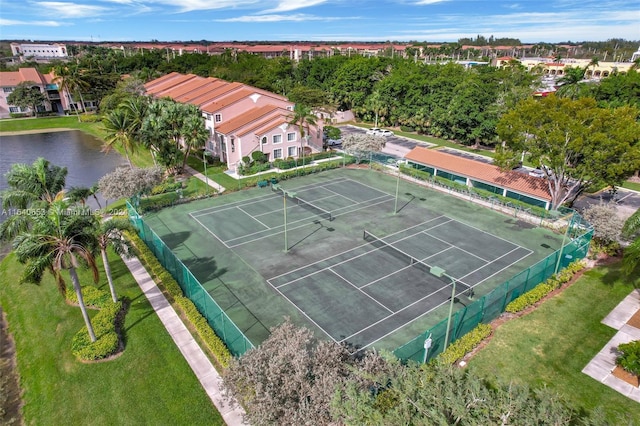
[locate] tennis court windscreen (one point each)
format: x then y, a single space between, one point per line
410 260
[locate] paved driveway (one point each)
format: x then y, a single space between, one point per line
627 201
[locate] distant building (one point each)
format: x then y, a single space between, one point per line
39 51
9 80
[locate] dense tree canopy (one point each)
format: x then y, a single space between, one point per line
27 94
575 142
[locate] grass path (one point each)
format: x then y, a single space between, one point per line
550 346
150 383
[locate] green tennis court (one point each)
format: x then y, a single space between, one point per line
347 267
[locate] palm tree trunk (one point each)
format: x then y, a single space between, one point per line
107 271
83 308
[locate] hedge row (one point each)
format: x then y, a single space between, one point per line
541 290
465 344
173 290
105 325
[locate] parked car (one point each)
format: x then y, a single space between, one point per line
334 142
379 132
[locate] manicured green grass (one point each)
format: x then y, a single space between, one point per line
631 185
550 346
150 383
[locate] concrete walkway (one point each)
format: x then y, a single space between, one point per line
193 354
601 366
193 172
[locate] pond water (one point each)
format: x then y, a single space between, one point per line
79 152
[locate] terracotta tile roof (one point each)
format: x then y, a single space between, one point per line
211 96
487 173
183 87
249 117
157 87
264 126
13 78
201 91
226 100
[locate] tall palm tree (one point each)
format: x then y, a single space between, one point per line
593 63
33 186
63 239
109 233
119 127
631 231
70 81
194 135
303 117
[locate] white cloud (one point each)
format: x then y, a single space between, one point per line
70 10
298 17
8 22
427 2
289 5
193 5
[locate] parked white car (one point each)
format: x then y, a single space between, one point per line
334 142
379 132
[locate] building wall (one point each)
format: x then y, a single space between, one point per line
39 50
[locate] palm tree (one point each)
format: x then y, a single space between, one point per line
631 231
33 186
593 63
302 117
69 80
79 194
109 233
375 104
119 127
61 239
194 135
570 82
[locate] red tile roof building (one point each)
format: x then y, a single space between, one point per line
512 184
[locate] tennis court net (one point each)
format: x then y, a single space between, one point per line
318 211
412 261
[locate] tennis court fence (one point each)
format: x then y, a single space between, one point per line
225 328
483 310
490 306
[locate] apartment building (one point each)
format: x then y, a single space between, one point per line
38 51
241 119
56 101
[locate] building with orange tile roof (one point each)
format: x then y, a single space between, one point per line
241 119
475 174
57 101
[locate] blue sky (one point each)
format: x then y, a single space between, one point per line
319 20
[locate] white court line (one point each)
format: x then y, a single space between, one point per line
493 261
435 307
209 231
397 312
357 247
508 266
344 196
254 218
258 199
307 316
356 287
459 248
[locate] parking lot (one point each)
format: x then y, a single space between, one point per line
396 145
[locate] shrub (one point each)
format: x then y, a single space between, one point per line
541 290
190 311
407 129
630 357
258 156
92 296
465 344
105 326
246 159
167 186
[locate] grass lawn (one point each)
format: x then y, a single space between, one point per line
550 346
150 383
631 185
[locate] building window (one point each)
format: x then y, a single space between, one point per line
209 117
291 151
7 89
277 153
264 139
291 137
277 138
233 145
218 118
14 109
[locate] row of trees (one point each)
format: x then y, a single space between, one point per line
293 379
52 230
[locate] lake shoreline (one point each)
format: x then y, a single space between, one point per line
35 131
